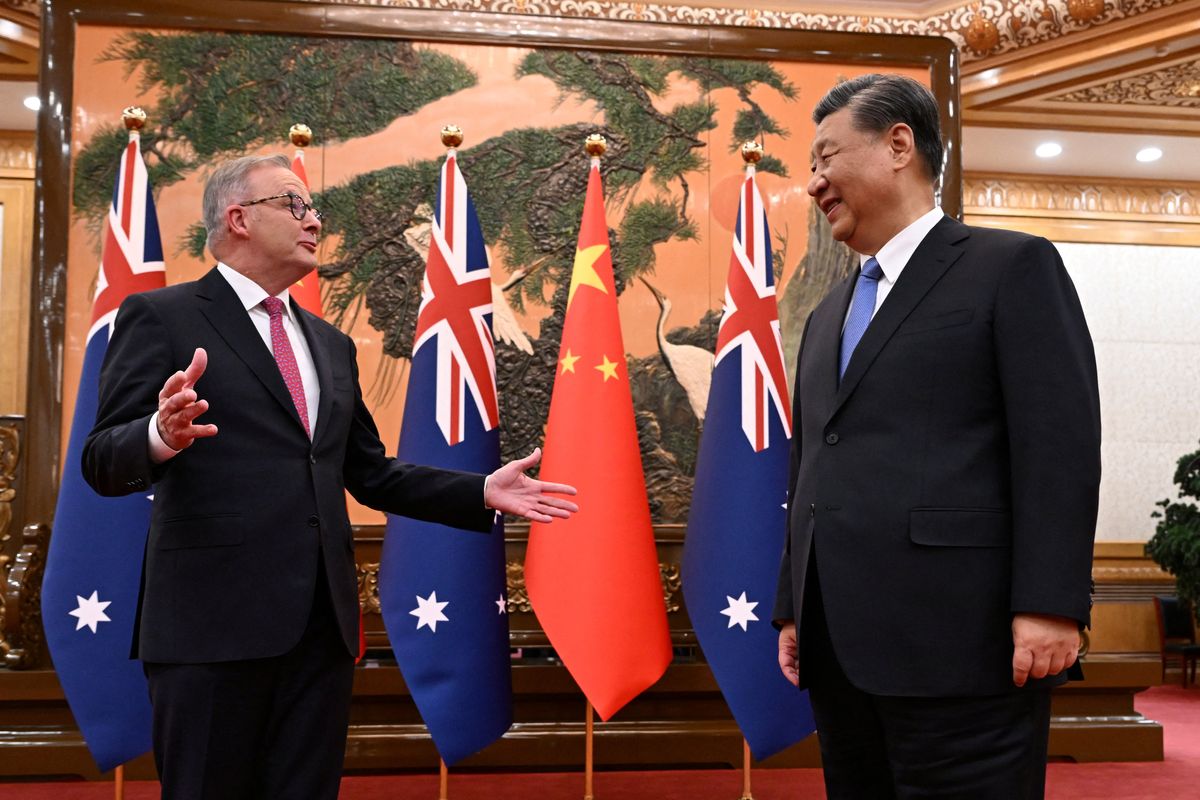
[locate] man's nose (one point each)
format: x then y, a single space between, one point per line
816 183
311 223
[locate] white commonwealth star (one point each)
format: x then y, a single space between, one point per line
501 605
429 611
90 612
740 611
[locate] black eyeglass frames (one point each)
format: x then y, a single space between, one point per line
296 204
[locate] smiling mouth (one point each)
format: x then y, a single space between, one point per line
828 206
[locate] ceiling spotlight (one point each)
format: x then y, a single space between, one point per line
1048 149
1148 154
33 102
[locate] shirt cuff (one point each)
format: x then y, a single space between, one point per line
160 451
486 478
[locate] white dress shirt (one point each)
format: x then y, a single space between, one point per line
251 296
894 256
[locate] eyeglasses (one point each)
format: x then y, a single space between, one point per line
296 205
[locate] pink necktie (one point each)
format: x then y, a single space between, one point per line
286 359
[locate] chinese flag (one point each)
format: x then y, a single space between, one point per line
306 290
593 579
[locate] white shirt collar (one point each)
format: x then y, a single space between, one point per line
894 255
249 292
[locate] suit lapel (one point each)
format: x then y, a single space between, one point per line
928 263
318 346
826 340
222 308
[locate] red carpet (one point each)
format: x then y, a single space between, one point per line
1175 777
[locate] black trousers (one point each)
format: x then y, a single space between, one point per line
272 728
903 748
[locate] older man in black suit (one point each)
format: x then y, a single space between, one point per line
945 474
248 614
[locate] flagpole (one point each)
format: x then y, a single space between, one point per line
119 782
443 780
746 795
587 758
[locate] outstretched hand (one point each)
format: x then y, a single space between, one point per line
179 405
510 490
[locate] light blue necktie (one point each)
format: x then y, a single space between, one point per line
861 309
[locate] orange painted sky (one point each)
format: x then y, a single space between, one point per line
691 273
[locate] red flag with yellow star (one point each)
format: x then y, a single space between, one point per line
306 291
593 579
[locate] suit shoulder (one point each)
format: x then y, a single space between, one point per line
330 333
166 295
319 325
1003 238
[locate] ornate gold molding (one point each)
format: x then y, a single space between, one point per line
518 597
1175 86
17 151
368 587
1051 196
670 574
27 6
1113 574
980 28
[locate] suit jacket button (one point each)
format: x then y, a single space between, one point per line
831 438
812 509
314 521
312 458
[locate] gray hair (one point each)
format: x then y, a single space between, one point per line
228 184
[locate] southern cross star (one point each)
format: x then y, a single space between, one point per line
90 612
429 611
740 611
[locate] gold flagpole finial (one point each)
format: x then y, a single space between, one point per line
452 136
595 145
134 118
300 135
752 152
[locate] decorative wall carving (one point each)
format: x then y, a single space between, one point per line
518 597
21 638
1177 85
10 456
672 579
17 153
368 587
984 194
27 6
1000 26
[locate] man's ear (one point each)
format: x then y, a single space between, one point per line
902 144
237 221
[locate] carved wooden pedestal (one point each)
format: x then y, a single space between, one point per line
681 722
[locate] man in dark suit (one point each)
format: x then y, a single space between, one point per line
248 613
945 472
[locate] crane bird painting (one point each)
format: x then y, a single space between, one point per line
692 366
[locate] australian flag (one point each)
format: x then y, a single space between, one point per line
93 569
737 524
442 590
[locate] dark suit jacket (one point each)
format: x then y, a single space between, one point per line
951 479
240 519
